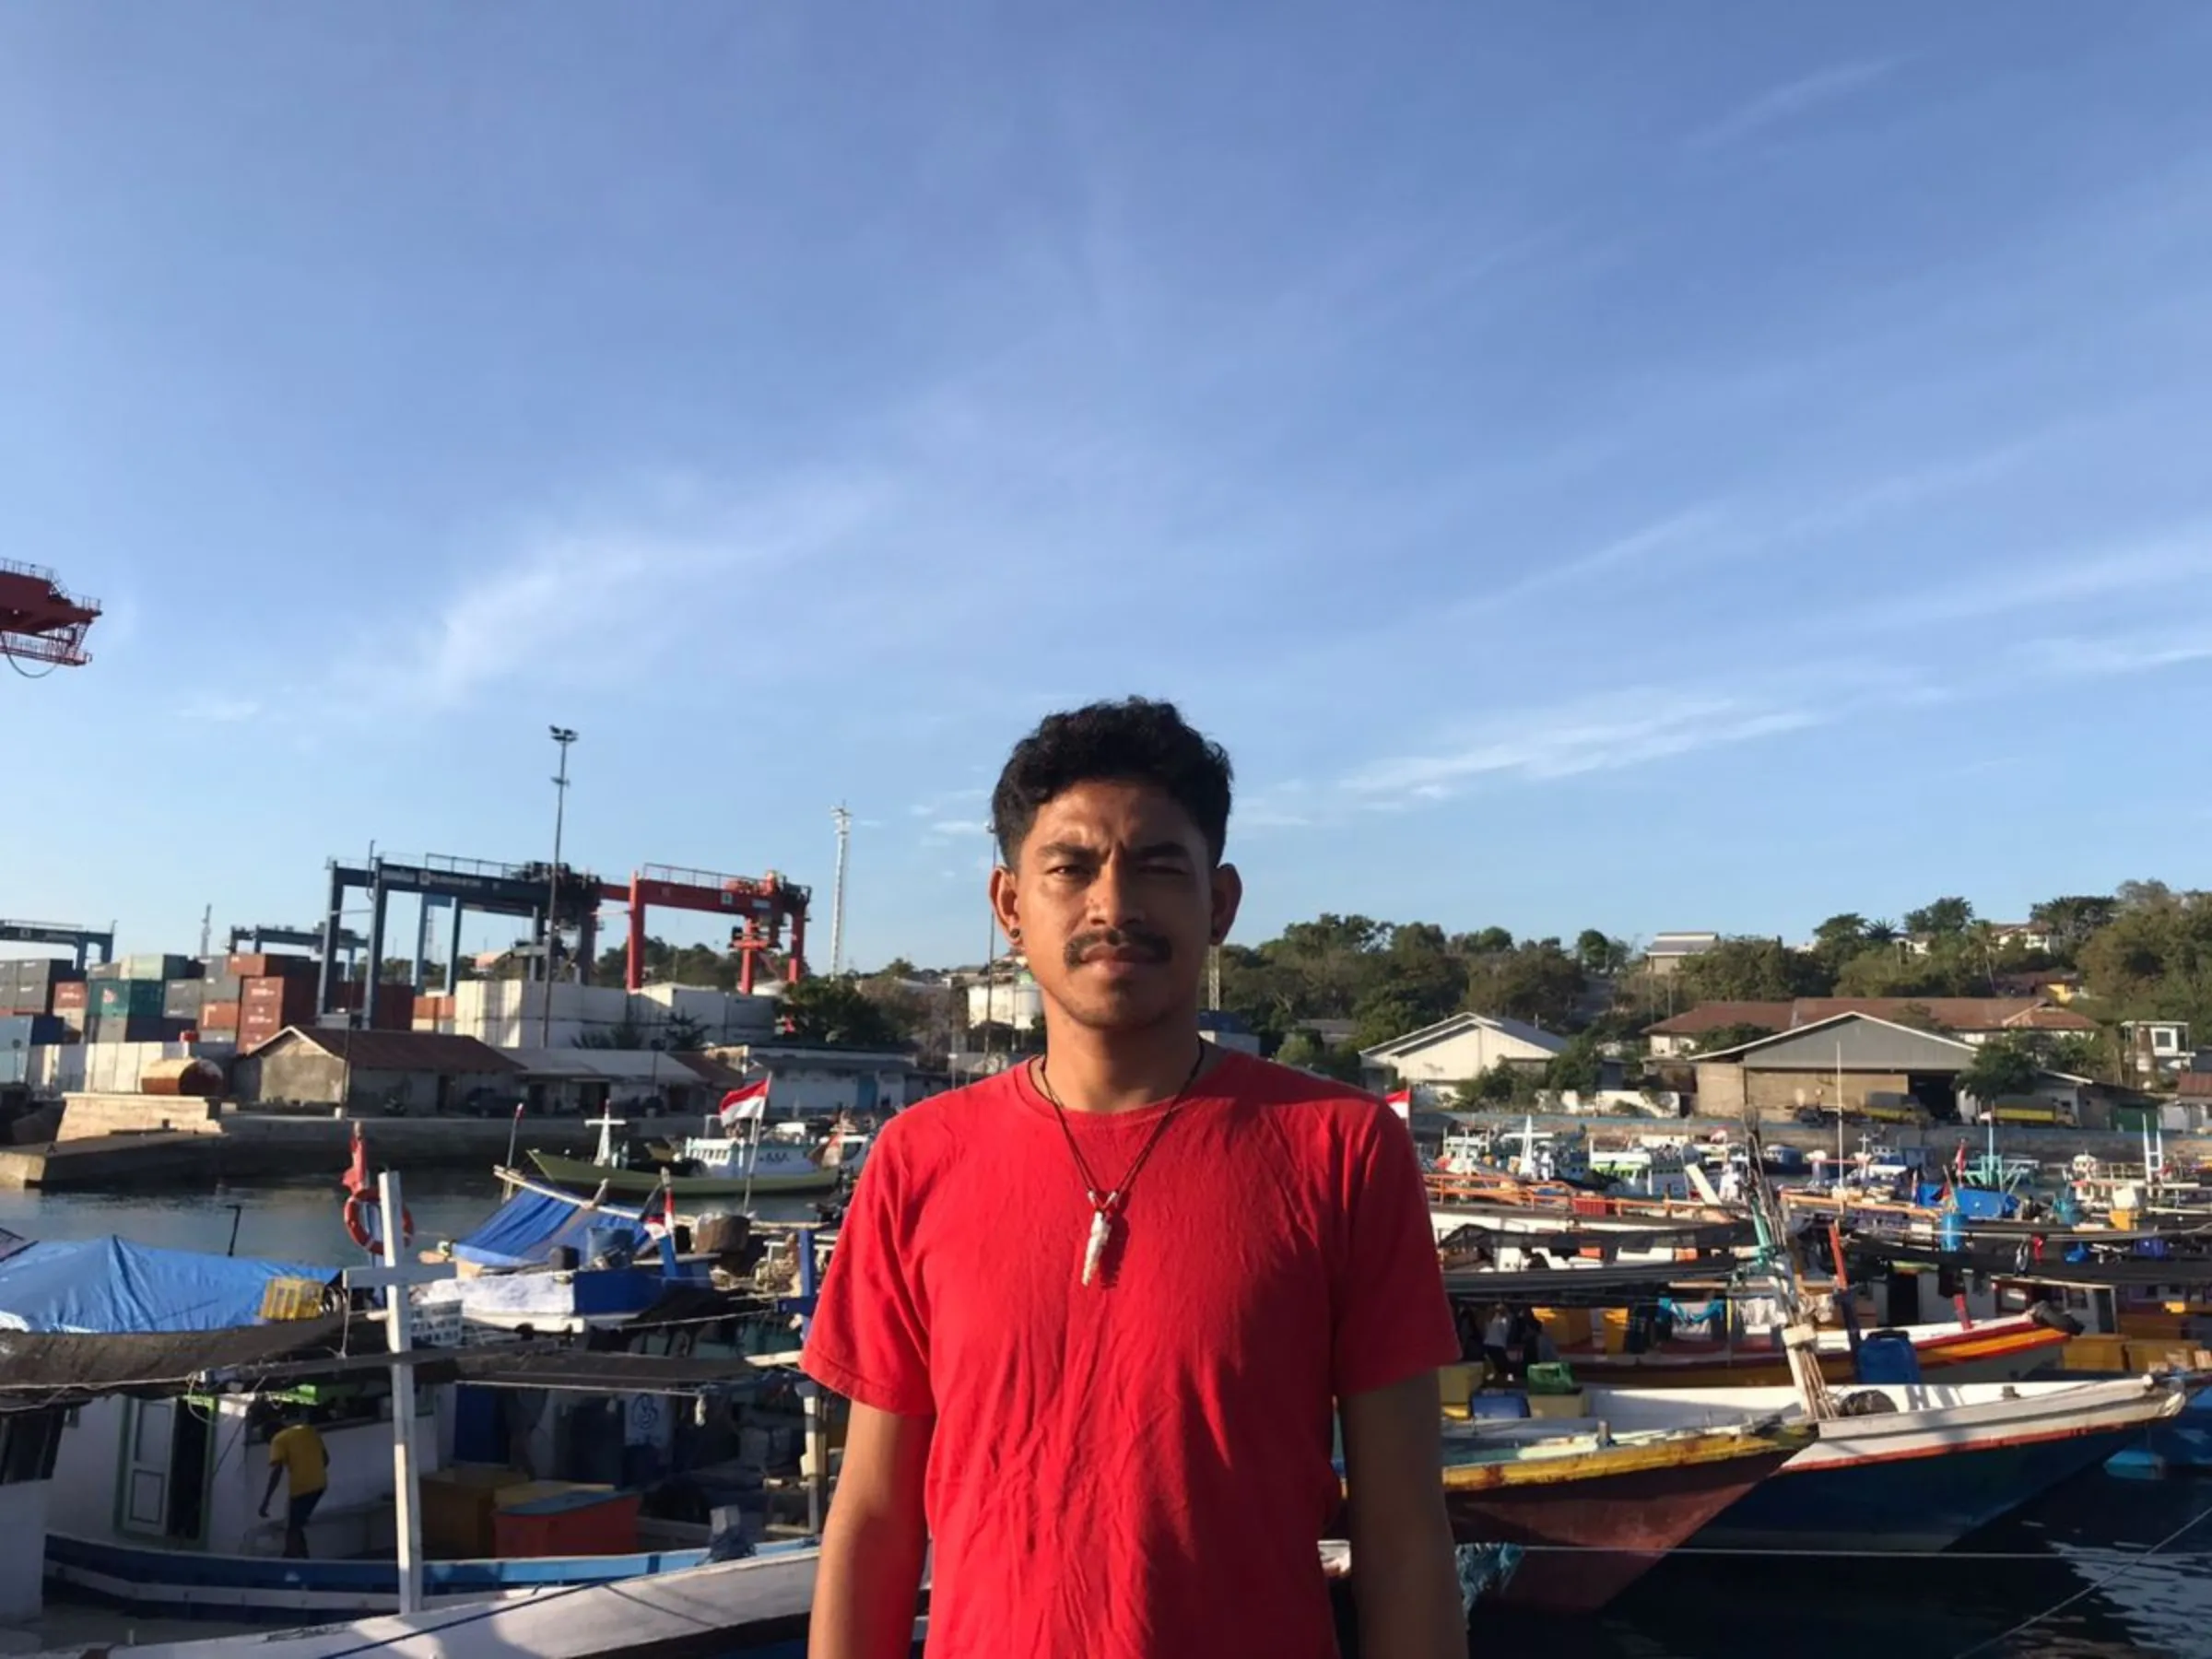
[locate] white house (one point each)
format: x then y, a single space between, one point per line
1668 951
1454 1050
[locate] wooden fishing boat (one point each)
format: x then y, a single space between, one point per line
1935 1462
774 1176
2004 1350
1565 1521
756 1608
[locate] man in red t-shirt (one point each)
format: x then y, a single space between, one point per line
1100 1316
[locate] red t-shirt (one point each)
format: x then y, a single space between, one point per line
1139 1467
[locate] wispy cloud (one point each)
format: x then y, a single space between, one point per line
1605 733
939 805
1680 532
1790 101
2101 656
569 591
2149 568
956 828
221 710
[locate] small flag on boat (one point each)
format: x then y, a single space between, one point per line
665 1221
742 1104
356 1171
1400 1102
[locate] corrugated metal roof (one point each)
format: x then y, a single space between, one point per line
1719 1016
1959 1013
613 1066
1855 1041
1956 1013
1456 1025
398 1051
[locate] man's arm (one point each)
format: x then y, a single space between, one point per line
1404 1577
870 1578
276 1474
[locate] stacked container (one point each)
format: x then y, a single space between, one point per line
73 1004
28 986
268 1003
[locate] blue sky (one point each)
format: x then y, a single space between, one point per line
1699 465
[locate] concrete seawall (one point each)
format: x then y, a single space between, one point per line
259 1146
2044 1145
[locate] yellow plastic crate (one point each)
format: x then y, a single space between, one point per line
291 1299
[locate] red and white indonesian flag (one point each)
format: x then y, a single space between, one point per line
749 1104
1401 1102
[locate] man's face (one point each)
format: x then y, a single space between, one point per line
1116 903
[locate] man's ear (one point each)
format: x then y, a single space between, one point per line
1228 893
1005 902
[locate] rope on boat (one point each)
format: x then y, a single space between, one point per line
2087 1590
1935 1558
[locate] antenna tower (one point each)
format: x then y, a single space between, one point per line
843 821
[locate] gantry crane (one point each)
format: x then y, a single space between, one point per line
39 621
761 906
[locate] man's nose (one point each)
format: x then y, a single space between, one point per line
1114 897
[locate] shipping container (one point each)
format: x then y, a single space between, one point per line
222 986
159 967
104 970
132 1028
122 998
395 1008
71 993
29 1030
182 999
271 967
218 1017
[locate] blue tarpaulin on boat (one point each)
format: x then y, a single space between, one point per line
527 1228
110 1287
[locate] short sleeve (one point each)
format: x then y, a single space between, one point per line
869 1338
1392 1318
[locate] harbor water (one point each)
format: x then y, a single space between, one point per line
2086 1541
282 1221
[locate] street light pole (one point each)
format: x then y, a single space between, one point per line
563 735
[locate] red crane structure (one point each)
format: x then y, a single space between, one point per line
41 622
760 905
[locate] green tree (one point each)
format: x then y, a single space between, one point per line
1493 1087
1490 941
2001 1067
1598 953
1730 1036
1574 1067
1335 960
1837 940
2154 959
1942 916
836 1010
1384 1013
1536 982
2072 920
1307 1052
1881 931
1751 971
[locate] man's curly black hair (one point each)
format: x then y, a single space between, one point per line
1137 740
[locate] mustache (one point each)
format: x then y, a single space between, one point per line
1155 947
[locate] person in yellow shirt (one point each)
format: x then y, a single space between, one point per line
297 1456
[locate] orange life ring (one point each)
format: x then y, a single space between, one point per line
356 1226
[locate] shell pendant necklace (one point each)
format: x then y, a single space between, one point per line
1106 1202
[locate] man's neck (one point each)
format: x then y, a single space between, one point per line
1118 1071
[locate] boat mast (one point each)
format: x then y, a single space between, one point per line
396 1279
